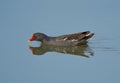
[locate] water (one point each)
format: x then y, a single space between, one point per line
19 19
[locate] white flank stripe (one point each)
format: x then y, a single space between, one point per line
65 39
74 40
88 34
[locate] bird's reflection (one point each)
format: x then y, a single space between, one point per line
82 50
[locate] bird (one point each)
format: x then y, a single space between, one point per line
75 39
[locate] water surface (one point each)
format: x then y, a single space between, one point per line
19 19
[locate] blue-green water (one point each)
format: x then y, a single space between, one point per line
19 19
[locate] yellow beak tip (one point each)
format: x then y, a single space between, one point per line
28 41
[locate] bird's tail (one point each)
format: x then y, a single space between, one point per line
85 38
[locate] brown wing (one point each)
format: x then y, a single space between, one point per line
76 36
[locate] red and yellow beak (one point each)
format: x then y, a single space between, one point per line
32 38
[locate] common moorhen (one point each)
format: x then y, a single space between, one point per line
63 40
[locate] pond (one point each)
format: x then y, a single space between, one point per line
23 62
